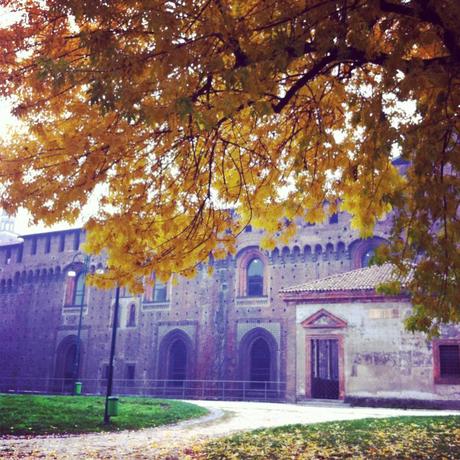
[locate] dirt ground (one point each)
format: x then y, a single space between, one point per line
171 441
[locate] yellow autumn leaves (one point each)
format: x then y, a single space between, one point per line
400 437
197 118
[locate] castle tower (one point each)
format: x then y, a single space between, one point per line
6 222
7 234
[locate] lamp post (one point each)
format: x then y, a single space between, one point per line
112 355
73 274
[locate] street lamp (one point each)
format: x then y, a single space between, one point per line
112 355
72 274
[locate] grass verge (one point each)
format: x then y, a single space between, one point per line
34 414
389 438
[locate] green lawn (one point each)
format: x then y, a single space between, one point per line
33 414
390 438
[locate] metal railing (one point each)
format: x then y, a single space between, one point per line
230 390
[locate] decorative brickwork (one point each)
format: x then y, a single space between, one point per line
209 328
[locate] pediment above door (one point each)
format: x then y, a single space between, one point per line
323 319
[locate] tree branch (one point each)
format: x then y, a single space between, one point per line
426 13
312 73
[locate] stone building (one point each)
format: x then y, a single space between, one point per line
242 332
350 343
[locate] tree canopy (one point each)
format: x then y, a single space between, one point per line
182 110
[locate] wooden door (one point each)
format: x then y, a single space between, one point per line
325 368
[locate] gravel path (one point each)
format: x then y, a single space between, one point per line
169 441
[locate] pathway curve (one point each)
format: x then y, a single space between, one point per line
225 417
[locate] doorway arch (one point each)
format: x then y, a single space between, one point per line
66 366
175 362
258 358
259 362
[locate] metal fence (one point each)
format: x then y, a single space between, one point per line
230 390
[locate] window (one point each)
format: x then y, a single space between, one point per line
8 256
131 316
366 259
79 291
252 278
159 292
447 361
156 293
255 278
75 290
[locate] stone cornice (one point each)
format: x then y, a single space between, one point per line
341 296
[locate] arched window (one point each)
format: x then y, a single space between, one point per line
363 251
366 257
255 278
252 273
79 291
75 290
131 316
340 250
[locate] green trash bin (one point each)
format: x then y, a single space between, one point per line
112 406
77 388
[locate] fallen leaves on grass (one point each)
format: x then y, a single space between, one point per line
402 438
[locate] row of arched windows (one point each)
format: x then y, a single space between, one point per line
310 252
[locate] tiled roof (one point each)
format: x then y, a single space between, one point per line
361 279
